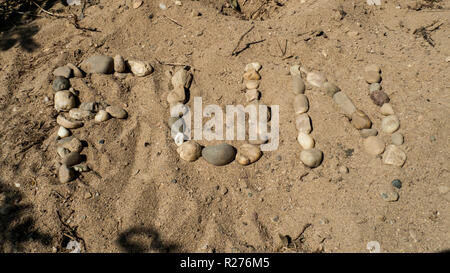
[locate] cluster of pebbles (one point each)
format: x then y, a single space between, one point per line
220 154
73 113
310 156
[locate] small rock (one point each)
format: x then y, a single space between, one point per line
379 97
360 120
373 145
344 102
71 159
220 154
73 144
137 3
252 95
119 63
343 170
181 78
303 123
82 167
248 154
67 123
80 114
397 183
294 70
190 151
394 156
372 77
390 196
252 84
139 68
374 87
251 75
374 2
101 116
62 152
116 112
298 85
66 174
89 106
75 70
311 157
386 109
60 83
305 140
63 71
176 96
330 88
87 195
64 100
372 67
253 66
397 138
301 104
365 133
63 132
315 79
98 64
390 124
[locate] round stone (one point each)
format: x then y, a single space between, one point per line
63 71
390 124
397 138
64 100
372 67
72 144
67 123
301 104
373 145
365 133
119 64
374 87
251 84
75 70
66 174
372 77
251 75
248 154
386 109
394 156
303 123
390 196
315 79
98 64
344 102
220 154
101 116
116 112
139 68
72 158
379 97
305 140
311 157
253 66
298 85
89 106
360 120
397 183
182 78
63 132
62 152
330 88
189 151
60 83
80 114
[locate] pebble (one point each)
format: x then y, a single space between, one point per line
311 157
63 71
360 120
98 64
386 109
60 83
305 140
301 104
66 174
397 183
89 106
372 67
119 64
73 158
303 123
69 124
394 156
87 195
139 68
116 112
372 77
137 3
379 97
220 154
63 132
373 145
182 78
330 88
374 87
343 170
101 116
62 152
397 138
315 79
190 151
390 196
248 154
64 100
72 144
344 102
365 133
295 70
255 66
75 70
251 75
80 114
251 84
82 167
390 124
176 96
252 95
298 85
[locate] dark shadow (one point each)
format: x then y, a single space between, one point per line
143 240
16 225
16 17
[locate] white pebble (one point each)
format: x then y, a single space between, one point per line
390 124
305 140
63 132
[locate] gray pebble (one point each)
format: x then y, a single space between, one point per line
397 138
365 133
298 85
311 157
330 88
60 83
390 196
98 64
344 102
220 154
374 87
71 159
89 106
116 112
66 174
63 71
119 64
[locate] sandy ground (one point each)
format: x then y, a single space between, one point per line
130 203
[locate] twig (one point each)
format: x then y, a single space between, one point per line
173 21
48 12
258 9
247 46
303 230
240 39
283 52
